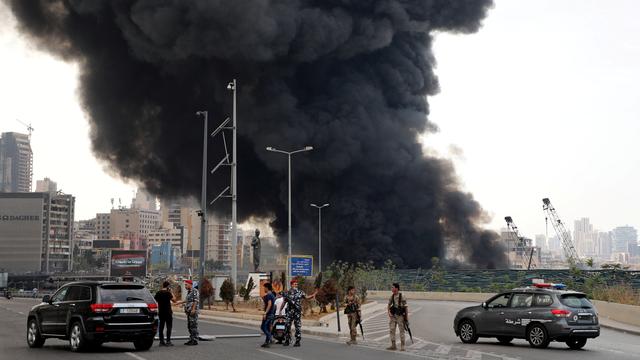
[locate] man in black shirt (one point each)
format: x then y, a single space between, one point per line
164 298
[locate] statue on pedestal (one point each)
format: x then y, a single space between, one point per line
255 244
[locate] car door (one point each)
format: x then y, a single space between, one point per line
77 298
50 314
517 315
491 320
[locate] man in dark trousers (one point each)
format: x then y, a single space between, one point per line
269 314
164 298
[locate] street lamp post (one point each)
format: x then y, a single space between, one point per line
203 200
289 153
234 194
319 207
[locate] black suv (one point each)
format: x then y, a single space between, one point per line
539 315
91 313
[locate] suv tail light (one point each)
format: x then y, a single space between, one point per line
101 308
153 307
561 313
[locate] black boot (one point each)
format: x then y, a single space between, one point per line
297 344
286 342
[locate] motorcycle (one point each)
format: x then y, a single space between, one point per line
279 329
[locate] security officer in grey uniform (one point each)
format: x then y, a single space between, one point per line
398 314
294 299
191 310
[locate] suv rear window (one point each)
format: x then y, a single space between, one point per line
125 294
576 301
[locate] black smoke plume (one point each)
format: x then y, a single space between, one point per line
349 77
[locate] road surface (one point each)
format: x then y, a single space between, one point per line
431 324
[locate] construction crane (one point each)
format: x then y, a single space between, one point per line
29 127
570 252
522 247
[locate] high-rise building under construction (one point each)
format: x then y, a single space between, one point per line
16 162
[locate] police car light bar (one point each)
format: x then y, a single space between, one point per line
549 286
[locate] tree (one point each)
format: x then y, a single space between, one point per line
227 293
327 294
247 291
206 292
589 262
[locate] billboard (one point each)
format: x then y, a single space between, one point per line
128 263
301 265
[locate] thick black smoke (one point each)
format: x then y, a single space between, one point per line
349 77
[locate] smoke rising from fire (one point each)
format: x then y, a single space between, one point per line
349 77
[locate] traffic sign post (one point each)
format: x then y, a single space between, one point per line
300 265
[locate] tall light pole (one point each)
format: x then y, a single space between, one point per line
319 207
203 200
289 153
234 193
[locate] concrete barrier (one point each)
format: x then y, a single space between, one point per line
626 314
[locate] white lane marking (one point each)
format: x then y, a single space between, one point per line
137 357
279 355
381 338
418 345
20 312
377 332
443 349
473 355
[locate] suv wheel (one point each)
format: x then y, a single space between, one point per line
34 339
537 336
467 332
576 343
505 339
144 343
77 339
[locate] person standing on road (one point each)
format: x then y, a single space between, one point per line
352 310
294 314
398 313
269 314
164 298
191 310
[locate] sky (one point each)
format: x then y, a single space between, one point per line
542 102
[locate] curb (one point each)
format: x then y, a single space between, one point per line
620 329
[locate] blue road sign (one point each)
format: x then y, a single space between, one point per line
301 265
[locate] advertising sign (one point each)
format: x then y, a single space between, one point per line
301 265
128 263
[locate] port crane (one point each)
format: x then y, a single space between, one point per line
570 252
523 246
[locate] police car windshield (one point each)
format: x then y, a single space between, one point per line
576 301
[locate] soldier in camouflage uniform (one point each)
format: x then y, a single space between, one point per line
294 311
352 310
191 310
398 314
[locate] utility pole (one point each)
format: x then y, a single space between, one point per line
203 200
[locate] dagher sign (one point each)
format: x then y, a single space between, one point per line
128 263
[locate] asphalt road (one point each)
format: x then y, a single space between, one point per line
432 327
13 315
431 324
